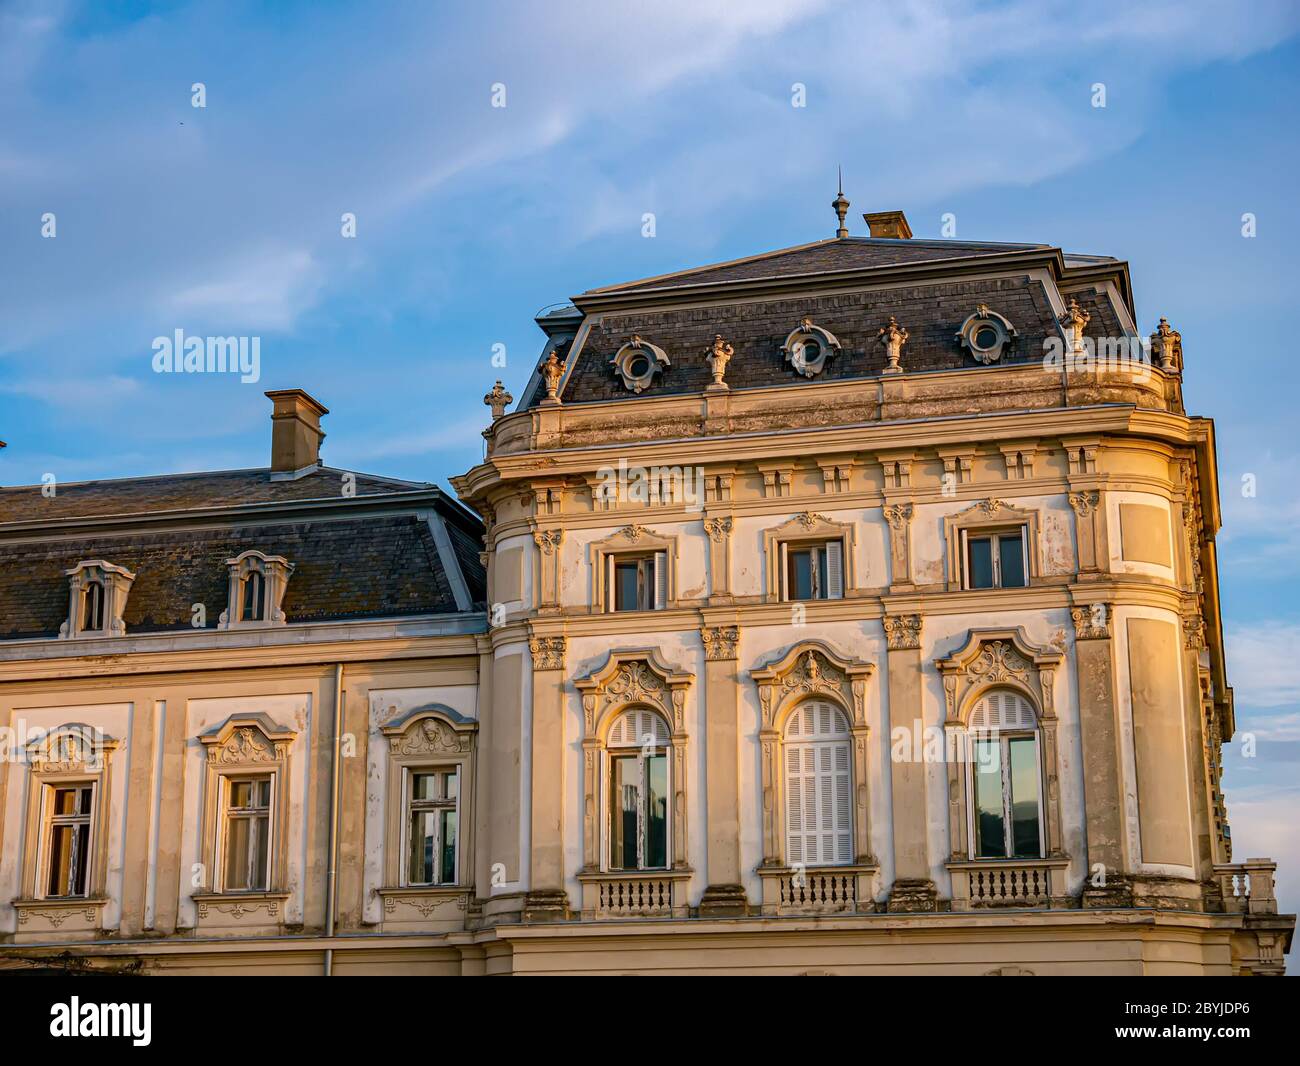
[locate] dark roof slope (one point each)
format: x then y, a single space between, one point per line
179 492
932 313
364 567
836 253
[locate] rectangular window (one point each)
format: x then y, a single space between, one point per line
68 834
432 820
247 834
638 816
637 582
813 571
996 560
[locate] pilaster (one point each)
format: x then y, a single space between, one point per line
913 888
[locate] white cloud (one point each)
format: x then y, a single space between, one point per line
1264 662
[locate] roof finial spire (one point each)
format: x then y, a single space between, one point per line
841 206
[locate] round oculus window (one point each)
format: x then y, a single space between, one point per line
638 366
986 337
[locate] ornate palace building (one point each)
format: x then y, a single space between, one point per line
851 608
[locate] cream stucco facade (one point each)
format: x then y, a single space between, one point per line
1112 642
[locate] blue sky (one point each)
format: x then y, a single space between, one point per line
226 220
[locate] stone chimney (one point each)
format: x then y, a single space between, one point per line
888 224
295 434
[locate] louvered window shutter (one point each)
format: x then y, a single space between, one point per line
794 806
819 828
834 570
661 580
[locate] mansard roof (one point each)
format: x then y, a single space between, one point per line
392 549
850 286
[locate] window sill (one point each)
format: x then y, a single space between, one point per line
444 905
260 907
83 912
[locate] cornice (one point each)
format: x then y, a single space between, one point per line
206 650
857 437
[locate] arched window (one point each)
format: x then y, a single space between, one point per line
252 609
637 792
818 786
92 607
1005 778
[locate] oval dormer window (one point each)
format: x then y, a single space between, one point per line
637 363
808 347
986 334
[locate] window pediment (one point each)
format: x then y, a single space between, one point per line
811 668
247 739
629 677
1002 658
432 730
71 748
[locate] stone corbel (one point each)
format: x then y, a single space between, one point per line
1019 459
837 473
1082 454
777 479
958 468
897 470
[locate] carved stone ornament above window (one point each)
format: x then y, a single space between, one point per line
97 594
637 362
986 335
808 347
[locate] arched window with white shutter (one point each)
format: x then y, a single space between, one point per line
1004 777
638 808
818 786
